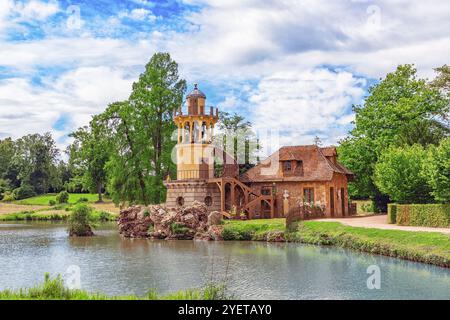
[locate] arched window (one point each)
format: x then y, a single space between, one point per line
204 131
195 134
180 201
187 130
208 201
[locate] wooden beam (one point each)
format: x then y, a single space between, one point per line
233 195
222 198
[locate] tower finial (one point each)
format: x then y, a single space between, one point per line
195 86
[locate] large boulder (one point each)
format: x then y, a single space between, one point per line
157 221
214 218
134 222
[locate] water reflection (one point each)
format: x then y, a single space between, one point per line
254 270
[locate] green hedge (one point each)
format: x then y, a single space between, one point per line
364 206
427 215
392 213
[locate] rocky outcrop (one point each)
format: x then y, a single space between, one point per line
156 221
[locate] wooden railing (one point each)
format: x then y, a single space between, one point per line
193 174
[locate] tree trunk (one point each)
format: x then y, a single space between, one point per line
99 190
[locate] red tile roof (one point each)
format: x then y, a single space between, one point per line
318 165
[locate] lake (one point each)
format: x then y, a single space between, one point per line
252 270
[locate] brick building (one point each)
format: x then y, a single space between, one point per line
291 175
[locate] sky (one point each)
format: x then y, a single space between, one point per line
295 67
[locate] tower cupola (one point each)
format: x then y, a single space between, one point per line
196 101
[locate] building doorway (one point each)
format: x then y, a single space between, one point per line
343 201
332 201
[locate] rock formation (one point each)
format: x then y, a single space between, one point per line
158 222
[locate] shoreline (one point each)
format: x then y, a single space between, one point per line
423 247
418 246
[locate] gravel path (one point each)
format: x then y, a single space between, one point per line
380 222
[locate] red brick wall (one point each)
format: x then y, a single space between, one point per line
321 193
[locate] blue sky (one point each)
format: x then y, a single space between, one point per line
295 67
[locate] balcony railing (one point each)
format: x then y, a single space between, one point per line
194 174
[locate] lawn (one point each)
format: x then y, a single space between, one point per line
37 208
43 200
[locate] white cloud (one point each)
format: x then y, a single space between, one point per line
296 104
34 10
138 14
13 12
80 93
282 47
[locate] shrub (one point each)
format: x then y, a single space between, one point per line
437 171
82 199
4 187
51 202
392 213
178 228
81 221
62 197
398 174
104 216
8 196
368 207
23 192
427 215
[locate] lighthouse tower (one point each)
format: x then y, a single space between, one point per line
195 155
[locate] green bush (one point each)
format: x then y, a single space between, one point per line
392 213
398 174
178 228
427 215
82 199
8 196
104 216
51 202
81 221
437 171
23 192
62 197
4 187
230 233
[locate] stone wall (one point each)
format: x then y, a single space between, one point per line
190 191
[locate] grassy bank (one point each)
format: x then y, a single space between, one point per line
257 229
59 213
426 247
54 289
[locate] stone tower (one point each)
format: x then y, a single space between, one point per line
195 154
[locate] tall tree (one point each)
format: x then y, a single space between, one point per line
237 138
35 157
89 154
140 131
390 114
7 171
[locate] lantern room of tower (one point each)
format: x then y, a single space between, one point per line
197 126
